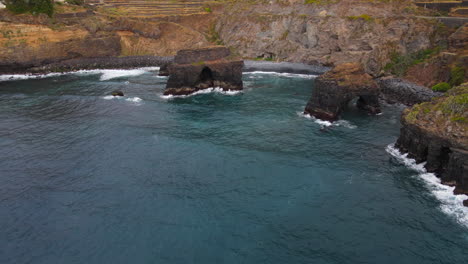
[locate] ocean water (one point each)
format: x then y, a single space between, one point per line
211 178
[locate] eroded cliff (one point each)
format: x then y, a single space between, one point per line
435 132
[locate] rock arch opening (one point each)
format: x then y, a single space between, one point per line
206 77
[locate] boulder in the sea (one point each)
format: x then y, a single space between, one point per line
465 203
117 93
198 69
435 132
336 88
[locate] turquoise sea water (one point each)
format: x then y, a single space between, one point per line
210 178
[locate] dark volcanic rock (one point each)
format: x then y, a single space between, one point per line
117 93
336 88
198 69
396 90
164 70
436 133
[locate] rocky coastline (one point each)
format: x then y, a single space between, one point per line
86 64
435 132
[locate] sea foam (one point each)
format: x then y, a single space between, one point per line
284 74
204 91
324 123
451 204
129 99
106 74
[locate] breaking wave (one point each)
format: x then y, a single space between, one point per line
282 74
106 74
129 99
451 204
323 123
205 91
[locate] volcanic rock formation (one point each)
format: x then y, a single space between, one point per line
197 69
335 89
436 133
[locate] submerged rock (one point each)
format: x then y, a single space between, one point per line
117 93
336 88
436 133
199 69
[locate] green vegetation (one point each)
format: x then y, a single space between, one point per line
34 7
198 63
74 2
213 35
400 63
441 87
364 17
451 107
208 9
457 76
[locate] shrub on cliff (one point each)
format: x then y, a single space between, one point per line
457 76
30 6
441 87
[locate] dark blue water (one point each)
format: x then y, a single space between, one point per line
211 178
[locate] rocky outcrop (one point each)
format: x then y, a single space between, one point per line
198 69
459 39
395 90
336 88
436 133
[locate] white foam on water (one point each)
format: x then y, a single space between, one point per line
285 74
324 123
107 74
134 99
112 74
451 204
16 77
110 97
204 91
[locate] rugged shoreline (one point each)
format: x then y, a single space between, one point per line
87 64
148 61
435 132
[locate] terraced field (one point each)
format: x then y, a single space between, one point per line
152 8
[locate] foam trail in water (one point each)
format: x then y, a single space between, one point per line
283 74
134 99
107 74
323 123
129 99
451 204
204 91
112 74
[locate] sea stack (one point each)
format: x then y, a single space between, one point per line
197 69
336 88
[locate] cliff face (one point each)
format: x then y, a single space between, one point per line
28 41
436 132
334 33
